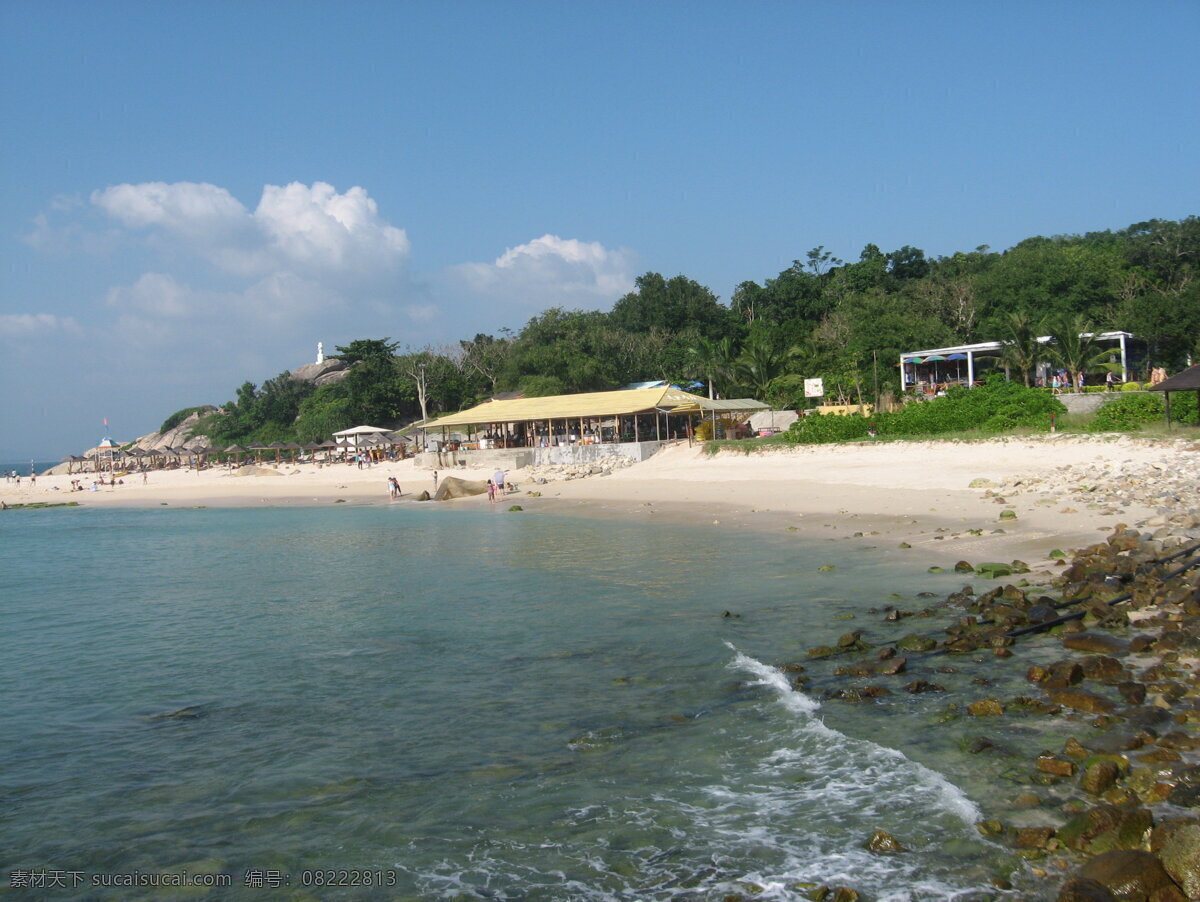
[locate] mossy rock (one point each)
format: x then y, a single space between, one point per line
1008 514
964 567
913 642
994 569
516 507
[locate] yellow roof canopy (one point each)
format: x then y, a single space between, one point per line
589 404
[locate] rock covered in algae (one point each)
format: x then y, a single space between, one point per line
1132 875
883 842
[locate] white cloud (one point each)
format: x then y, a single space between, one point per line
18 325
552 271
317 227
188 208
313 229
155 294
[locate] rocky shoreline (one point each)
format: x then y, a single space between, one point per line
1116 793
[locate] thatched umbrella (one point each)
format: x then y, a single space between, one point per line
292 448
236 451
277 447
258 450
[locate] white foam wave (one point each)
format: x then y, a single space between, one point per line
856 770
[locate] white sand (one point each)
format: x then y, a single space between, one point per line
916 492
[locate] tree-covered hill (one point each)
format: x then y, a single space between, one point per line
845 321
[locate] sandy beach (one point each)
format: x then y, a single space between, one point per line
1063 490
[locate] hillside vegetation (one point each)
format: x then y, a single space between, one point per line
846 322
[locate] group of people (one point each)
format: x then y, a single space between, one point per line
1158 374
498 485
1061 381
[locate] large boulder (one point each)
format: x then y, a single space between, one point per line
1132 875
332 369
452 487
1177 844
1104 828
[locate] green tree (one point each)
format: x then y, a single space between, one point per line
1074 346
760 363
1021 349
671 305
712 361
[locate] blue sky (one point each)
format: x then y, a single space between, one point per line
195 193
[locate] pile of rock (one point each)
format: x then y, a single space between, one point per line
1167 486
1123 699
605 466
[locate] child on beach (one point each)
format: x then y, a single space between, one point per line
491 491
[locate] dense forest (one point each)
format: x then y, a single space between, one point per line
847 322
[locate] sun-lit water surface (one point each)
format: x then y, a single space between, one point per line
478 705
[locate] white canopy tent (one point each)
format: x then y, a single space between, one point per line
355 435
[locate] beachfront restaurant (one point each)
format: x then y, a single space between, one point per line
568 429
936 369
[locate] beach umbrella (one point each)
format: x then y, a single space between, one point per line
277 447
934 358
958 359
292 448
236 450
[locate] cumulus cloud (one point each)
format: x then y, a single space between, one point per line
552 271
20 325
310 229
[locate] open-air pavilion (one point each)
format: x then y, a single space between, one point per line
960 364
563 428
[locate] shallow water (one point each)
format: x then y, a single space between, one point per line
465 705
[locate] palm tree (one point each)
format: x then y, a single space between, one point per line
761 363
1074 346
712 360
1021 349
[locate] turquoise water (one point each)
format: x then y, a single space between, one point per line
464 704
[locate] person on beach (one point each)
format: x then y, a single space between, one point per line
393 488
498 478
491 491
435 480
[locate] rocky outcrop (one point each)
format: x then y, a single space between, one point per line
180 436
330 370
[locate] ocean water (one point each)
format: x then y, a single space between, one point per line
409 702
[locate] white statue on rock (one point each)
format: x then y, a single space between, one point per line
320 352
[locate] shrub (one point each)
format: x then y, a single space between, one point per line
818 429
179 416
1124 414
1131 386
995 406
